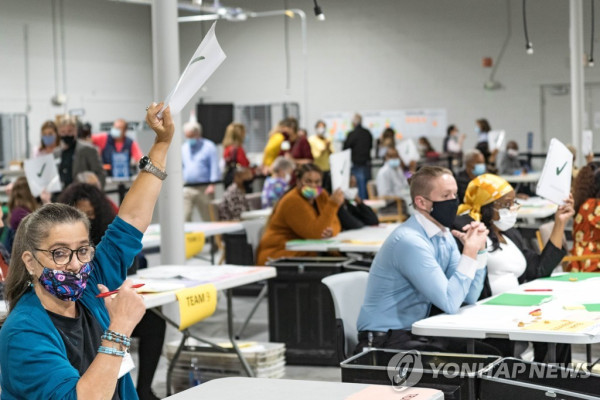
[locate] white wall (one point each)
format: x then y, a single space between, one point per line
381 54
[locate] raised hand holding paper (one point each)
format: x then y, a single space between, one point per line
204 62
555 181
407 149
41 173
496 139
340 170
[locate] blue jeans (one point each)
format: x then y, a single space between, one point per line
363 175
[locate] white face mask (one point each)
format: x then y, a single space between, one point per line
321 131
507 220
287 178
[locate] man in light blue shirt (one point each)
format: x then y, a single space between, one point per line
419 265
200 168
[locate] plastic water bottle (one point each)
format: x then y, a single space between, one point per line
195 378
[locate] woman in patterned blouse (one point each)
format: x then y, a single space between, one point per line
586 226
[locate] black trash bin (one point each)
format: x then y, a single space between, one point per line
512 379
301 312
452 373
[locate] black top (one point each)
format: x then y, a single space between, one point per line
66 165
359 141
462 181
81 336
356 216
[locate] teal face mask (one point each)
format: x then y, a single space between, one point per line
479 169
393 162
192 141
115 133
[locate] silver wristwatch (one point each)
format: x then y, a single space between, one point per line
146 165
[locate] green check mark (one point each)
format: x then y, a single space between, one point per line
558 171
41 171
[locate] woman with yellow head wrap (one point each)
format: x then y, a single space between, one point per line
482 191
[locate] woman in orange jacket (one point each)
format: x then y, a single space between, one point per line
305 212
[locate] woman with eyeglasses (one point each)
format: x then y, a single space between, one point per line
491 200
59 340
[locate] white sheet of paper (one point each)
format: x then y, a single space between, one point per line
340 170
555 181
408 151
586 143
41 173
496 139
126 365
204 62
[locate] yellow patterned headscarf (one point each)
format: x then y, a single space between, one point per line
481 191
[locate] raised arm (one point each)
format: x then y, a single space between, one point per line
138 205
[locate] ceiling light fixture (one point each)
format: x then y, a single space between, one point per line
528 45
318 12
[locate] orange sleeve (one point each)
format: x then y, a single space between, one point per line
302 221
136 153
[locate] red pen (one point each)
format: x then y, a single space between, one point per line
535 311
106 294
538 290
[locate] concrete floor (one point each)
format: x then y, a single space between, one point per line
257 330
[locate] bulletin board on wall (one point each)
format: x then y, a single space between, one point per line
413 123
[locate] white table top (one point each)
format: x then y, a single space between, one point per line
181 276
530 177
276 389
481 321
535 208
365 240
257 214
152 235
375 204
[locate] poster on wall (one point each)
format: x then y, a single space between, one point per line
408 124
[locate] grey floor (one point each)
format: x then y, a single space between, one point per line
258 330
216 327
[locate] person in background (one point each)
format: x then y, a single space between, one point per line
75 155
474 165
586 225
276 137
297 147
419 265
509 161
491 200
386 141
84 132
453 141
234 201
233 150
116 141
360 142
200 169
426 150
91 179
302 132
353 213
20 202
276 185
321 149
588 159
59 341
7 236
392 183
482 128
304 212
91 201
49 139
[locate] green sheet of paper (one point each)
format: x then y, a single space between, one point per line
592 307
524 300
314 241
574 276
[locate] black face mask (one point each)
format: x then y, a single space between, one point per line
68 140
444 212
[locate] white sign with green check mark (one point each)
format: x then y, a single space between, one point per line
555 181
42 173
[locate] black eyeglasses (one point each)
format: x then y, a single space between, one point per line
64 255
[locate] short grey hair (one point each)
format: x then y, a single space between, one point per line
470 156
192 126
282 164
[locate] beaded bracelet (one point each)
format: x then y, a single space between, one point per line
117 334
111 351
116 339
